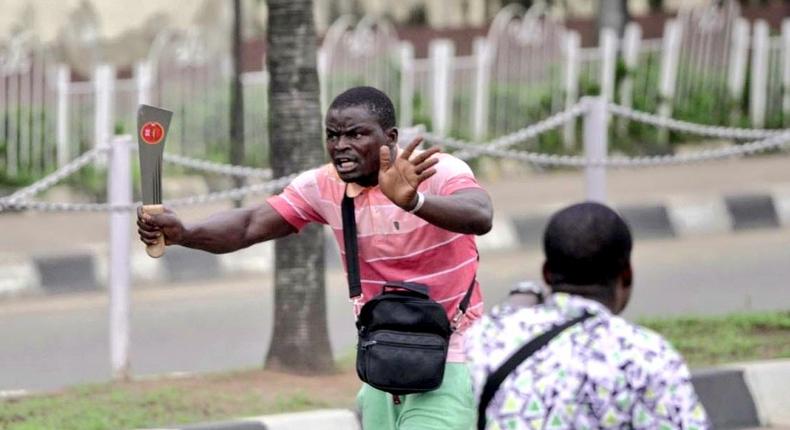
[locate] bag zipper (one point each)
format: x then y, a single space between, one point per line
402 345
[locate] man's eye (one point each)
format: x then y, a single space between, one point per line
357 135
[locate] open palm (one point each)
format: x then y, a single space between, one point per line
399 179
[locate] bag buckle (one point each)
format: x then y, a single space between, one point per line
455 321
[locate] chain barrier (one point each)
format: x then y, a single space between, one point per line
527 133
56 176
234 193
214 167
772 139
543 159
690 127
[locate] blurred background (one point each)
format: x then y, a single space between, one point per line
711 236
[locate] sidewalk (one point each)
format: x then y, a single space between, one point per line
66 251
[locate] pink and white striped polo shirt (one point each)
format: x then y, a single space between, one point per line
395 245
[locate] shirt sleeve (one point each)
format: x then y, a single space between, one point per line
296 204
452 174
670 398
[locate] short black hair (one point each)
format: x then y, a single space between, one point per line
378 103
586 244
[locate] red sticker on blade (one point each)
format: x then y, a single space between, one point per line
152 132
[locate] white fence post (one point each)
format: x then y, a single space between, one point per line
104 77
631 41
12 144
572 61
595 147
441 52
739 53
143 82
608 42
786 70
759 79
63 78
482 54
406 84
670 51
323 83
119 191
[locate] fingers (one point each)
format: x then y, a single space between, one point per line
411 147
384 158
425 165
146 229
426 174
424 155
149 237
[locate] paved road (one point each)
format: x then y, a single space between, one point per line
52 342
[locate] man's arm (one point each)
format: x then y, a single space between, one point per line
222 232
467 211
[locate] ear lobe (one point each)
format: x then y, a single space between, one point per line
627 276
546 273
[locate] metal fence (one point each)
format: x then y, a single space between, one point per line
527 68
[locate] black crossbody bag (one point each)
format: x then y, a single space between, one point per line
496 378
403 335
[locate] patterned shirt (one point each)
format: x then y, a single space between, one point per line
602 373
393 244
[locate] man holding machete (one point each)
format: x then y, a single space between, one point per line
417 214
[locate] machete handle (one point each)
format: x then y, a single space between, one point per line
158 249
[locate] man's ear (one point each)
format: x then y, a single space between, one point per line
546 273
627 276
392 136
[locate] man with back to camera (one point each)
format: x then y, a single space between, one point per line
602 372
417 213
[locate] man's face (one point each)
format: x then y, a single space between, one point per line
353 139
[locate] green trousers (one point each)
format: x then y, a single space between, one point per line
450 407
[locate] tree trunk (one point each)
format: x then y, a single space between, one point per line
300 341
236 99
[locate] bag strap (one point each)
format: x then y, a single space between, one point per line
495 379
350 243
352 257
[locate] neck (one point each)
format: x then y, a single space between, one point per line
370 181
602 294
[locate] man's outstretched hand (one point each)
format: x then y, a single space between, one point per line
399 180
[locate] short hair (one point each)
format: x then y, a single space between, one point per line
378 103
586 244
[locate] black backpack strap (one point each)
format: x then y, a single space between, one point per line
350 243
496 378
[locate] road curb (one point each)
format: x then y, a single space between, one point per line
324 419
734 396
87 269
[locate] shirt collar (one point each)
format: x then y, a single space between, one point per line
573 305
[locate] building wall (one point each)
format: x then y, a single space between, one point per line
46 17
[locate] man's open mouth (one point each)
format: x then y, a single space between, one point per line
345 164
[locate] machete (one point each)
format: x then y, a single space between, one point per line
152 126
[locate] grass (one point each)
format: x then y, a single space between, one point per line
167 402
705 341
158 402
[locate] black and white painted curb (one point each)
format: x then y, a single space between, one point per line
87 269
327 419
735 397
